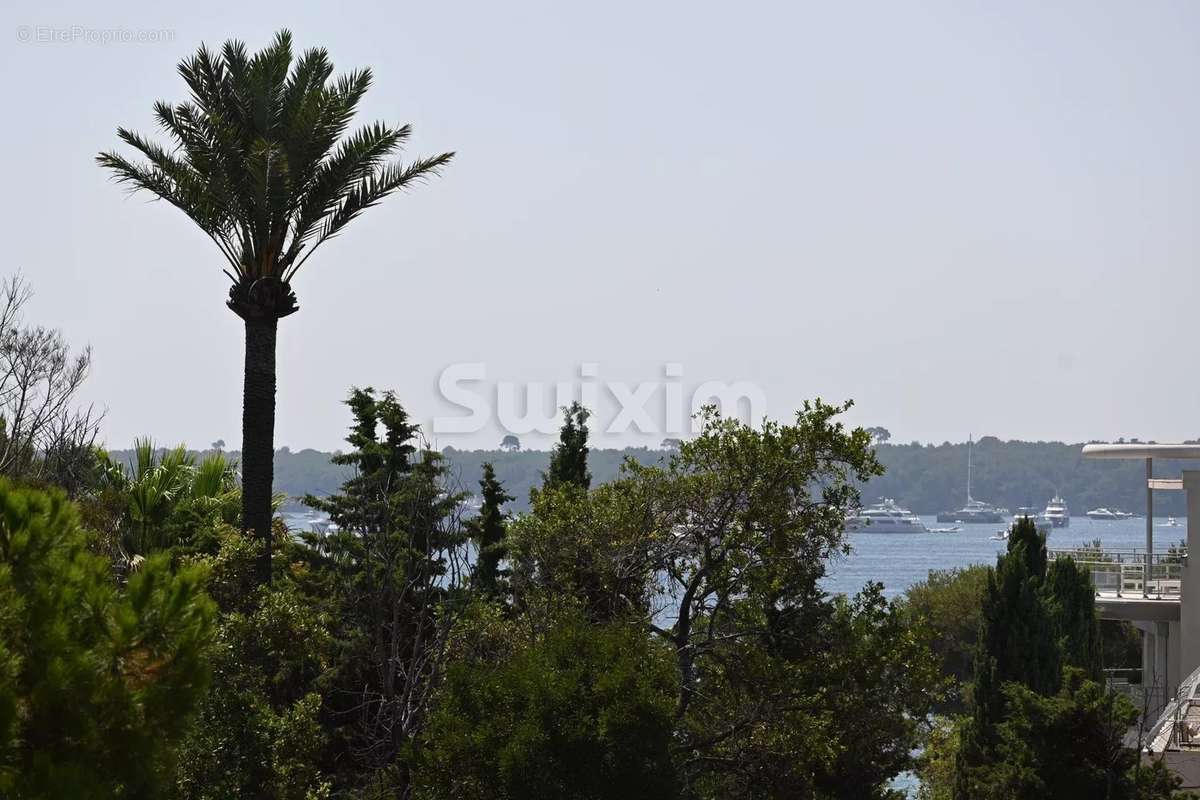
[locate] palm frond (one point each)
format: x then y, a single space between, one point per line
260 158
213 476
143 457
369 191
356 158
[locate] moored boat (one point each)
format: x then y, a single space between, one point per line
886 516
974 510
1108 514
1057 513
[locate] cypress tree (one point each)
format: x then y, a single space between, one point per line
1038 618
1016 629
365 504
384 570
568 461
488 532
1071 598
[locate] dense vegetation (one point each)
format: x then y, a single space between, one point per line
661 635
951 602
658 633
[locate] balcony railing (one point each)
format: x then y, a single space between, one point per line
1131 573
1178 728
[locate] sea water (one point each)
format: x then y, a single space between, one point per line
898 560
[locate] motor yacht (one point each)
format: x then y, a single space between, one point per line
885 517
1057 513
1108 514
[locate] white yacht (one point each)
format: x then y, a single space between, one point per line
885 517
1056 512
1108 513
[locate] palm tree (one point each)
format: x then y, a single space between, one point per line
154 485
260 162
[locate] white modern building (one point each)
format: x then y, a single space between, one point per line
1158 590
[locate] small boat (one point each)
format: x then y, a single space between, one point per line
948 529
1000 536
1170 523
885 517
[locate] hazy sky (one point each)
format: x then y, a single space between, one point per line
968 217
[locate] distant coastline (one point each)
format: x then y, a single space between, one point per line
924 478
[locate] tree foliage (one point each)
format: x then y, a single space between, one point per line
488 533
1041 723
153 498
568 459
929 478
259 732
46 435
391 573
97 683
951 602
260 159
577 711
719 553
1070 745
925 478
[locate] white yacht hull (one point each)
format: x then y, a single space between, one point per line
884 526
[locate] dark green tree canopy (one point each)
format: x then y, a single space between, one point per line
1038 623
382 464
488 532
97 682
568 460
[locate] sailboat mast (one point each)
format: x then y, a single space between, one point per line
970 443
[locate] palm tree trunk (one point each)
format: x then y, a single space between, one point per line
258 436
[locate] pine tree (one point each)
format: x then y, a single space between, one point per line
97 683
488 532
568 461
